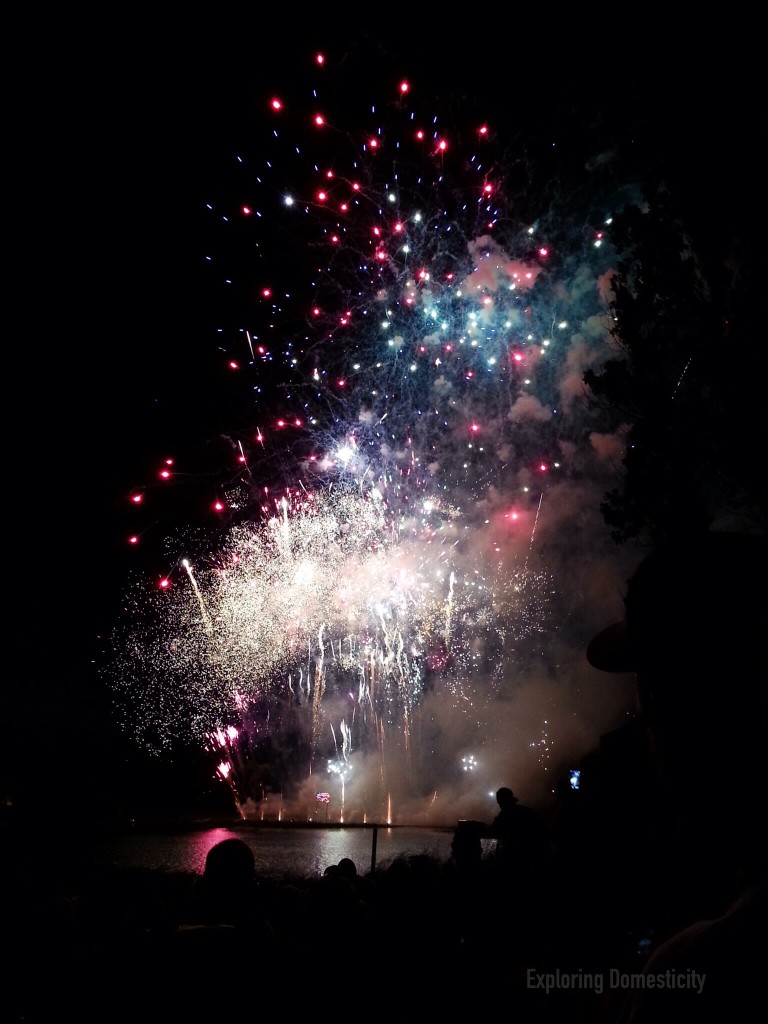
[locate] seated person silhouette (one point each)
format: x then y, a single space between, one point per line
694 634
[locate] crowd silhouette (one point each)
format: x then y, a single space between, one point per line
652 869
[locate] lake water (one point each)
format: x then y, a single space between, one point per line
278 851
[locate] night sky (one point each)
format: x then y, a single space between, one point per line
116 349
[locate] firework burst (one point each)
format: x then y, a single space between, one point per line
412 390
324 605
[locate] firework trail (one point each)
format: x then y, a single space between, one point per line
413 365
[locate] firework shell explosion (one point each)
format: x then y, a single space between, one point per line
326 601
415 364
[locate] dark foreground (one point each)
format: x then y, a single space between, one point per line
564 938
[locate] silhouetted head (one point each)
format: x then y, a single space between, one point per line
347 868
229 863
505 797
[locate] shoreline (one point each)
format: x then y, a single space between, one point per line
170 826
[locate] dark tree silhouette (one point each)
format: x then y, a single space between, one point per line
684 383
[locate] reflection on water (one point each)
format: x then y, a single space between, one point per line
277 851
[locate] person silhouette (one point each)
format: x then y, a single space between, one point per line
347 868
694 635
229 891
519 834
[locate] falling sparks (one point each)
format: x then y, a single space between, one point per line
325 598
